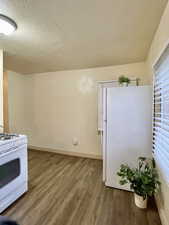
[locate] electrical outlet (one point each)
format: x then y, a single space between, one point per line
75 141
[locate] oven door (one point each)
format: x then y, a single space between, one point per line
13 170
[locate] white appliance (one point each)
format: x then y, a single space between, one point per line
127 132
13 168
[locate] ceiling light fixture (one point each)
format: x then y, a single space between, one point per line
7 25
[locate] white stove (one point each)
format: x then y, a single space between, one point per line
13 168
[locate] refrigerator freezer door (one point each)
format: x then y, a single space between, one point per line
129 132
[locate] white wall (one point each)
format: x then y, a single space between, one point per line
63 106
20 103
158 44
1 89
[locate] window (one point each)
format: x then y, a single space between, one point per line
161 114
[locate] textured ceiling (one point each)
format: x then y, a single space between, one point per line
73 34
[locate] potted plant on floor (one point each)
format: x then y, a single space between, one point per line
143 180
124 81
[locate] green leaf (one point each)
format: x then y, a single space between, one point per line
143 180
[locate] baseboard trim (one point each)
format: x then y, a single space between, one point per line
62 152
161 212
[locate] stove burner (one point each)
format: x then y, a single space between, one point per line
5 136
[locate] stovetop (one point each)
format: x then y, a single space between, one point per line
6 136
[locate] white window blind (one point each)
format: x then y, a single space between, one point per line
161 114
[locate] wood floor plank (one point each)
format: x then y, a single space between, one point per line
66 190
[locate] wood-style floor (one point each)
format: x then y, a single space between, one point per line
65 190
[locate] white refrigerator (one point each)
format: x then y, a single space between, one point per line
127 129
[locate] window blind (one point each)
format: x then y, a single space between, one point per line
161 114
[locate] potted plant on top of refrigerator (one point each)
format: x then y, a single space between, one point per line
143 180
124 81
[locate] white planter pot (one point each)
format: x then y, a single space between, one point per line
140 202
124 84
